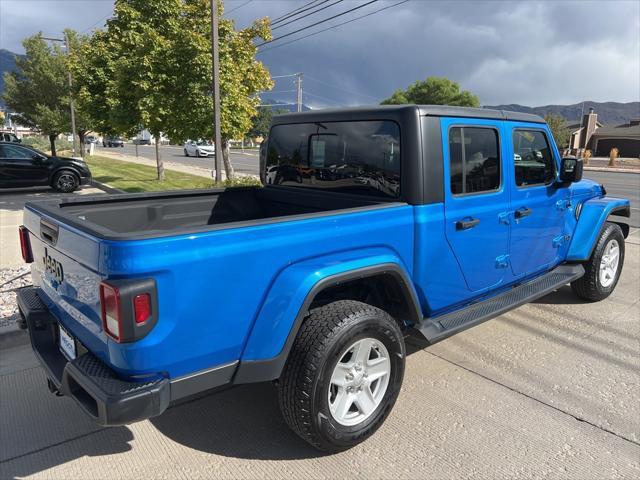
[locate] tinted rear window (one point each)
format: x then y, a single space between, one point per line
350 157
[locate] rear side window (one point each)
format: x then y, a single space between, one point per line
350 157
532 158
474 160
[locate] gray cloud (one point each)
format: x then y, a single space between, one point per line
533 53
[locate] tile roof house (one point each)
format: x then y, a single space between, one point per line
600 139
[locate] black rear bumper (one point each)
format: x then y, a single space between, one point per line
93 385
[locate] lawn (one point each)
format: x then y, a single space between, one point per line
133 177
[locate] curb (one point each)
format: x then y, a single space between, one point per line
13 336
105 187
611 170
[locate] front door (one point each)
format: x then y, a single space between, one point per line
22 167
476 200
539 203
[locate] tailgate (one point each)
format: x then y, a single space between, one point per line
65 267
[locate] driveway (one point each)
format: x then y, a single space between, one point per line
11 204
550 390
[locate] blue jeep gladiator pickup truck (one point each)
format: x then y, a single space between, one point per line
372 224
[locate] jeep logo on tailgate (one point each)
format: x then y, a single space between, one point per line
53 266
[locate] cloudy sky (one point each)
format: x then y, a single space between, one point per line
527 52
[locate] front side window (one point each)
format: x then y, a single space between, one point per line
532 158
474 160
11 151
359 157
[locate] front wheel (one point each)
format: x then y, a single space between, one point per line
343 375
65 181
186 154
602 270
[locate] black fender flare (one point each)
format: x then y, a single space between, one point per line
270 369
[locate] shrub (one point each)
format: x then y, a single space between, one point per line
247 181
613 155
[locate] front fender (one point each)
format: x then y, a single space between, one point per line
291 294
593 215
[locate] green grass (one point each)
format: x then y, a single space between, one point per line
133 177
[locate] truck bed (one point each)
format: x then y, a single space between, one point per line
138 216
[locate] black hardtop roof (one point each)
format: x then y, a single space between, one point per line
377 111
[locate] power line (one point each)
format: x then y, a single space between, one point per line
308 14
332 100
96 23
318 22
285 76
297 11
238 7
339 88
333 26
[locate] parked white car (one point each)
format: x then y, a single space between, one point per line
199 148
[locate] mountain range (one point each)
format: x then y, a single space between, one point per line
609 113
7 64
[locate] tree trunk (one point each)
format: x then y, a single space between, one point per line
52 141
81 135
159 163
228 168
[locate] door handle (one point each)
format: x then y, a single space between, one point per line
523 212
467 224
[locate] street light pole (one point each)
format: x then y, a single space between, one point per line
299 92
65 41
71 103
217 141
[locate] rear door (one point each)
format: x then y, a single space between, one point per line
21 166
539 204
476 200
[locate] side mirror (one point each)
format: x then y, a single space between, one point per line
571 170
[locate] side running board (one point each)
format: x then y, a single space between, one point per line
438 328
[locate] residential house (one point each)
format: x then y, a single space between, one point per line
600 139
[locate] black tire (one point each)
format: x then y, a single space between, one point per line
304 387
186 154
65 181
589 287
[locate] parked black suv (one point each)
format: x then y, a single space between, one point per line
22 166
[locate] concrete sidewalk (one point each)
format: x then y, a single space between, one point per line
550 390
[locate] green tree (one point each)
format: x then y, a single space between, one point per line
433 91
262 121
38 90
152 66
558 126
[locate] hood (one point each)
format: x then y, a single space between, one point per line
586 187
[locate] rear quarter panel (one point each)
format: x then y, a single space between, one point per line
212 285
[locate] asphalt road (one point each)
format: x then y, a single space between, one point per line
620 184
242 162
626 185
550 390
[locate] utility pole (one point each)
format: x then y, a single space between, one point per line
65 41
217 141
299 89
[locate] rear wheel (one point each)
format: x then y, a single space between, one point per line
602 270
65 181
343 375
186 154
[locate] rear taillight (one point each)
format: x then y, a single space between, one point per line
129 308
25 244
111 311
142 307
